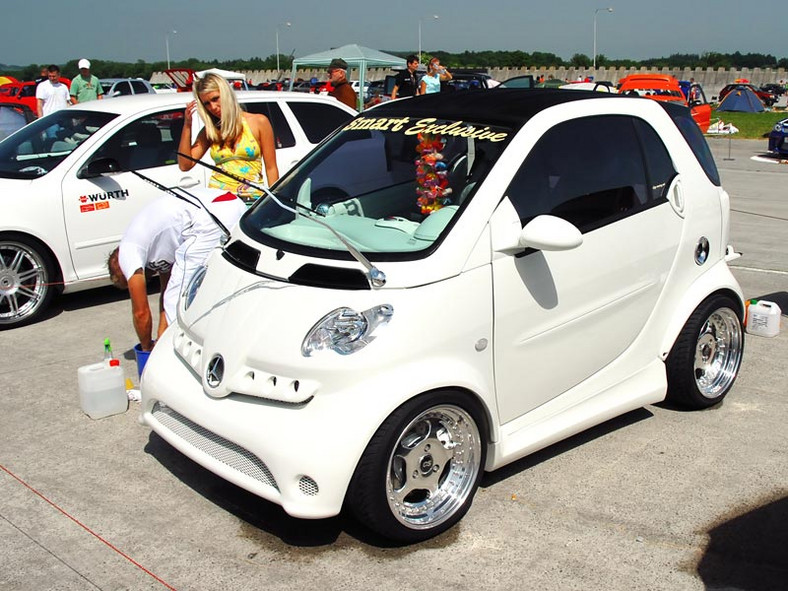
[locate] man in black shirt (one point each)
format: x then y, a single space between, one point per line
406 83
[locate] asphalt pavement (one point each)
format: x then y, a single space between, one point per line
656 499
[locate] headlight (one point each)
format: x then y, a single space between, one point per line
346 331
194 285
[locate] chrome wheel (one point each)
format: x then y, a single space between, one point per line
707 354
433 467
24 282
718 353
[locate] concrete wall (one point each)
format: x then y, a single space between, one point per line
711 79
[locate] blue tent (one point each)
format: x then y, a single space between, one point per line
742 99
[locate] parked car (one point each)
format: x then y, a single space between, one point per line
448 284
14 117
24 93
357 85
767 98
526 81
59 221
778 138
467 81
113 87
774 88
164 87
665 88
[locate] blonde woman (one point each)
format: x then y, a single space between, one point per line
240 143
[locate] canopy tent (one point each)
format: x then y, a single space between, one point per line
356 56
741 98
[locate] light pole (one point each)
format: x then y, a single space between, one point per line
287 24
167 45
435 17
608 9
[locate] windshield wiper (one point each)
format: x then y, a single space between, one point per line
376 277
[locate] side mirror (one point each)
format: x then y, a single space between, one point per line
99 167
547 232
544 232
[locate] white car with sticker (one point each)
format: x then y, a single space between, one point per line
446 285
59 222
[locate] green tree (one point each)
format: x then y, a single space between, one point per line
580 60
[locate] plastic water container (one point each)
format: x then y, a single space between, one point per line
763 318
102 389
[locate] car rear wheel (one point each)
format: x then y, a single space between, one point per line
420 471
706 357
26 273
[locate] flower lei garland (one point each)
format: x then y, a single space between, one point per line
432 187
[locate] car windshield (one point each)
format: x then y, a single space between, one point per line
41 146
389 186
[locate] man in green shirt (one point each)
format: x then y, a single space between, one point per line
85 86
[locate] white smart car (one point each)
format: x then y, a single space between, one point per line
446 285
59 222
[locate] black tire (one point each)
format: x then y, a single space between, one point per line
26 281
705 359
420 471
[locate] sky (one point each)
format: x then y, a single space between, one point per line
53 31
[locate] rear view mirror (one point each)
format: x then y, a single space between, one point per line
99 167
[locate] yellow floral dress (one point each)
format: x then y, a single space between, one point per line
243 160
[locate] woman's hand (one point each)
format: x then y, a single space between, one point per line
189 113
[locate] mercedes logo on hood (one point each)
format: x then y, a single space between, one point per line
215 372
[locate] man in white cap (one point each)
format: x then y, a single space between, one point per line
85 86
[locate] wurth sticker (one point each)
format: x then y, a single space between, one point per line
100 200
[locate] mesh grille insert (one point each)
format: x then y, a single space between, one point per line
308 486
219 448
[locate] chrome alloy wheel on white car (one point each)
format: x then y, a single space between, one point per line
420 471
718 353
705 359
434 466
24 282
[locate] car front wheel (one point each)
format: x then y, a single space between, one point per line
26 274
705 359
420 471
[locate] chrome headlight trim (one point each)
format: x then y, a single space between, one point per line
345 330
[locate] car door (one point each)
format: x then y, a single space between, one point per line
98 209
562 316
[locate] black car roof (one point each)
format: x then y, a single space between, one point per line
512 107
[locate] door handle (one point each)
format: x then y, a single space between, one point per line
676 198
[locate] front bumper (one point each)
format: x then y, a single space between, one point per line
287 454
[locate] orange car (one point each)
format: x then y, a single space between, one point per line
662 87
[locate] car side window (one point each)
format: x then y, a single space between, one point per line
659 165
318 120
122 88
283 135
139 87
588 171
145 143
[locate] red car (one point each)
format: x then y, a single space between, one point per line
662 87
23 93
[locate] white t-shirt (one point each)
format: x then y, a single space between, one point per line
171 235
55 96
